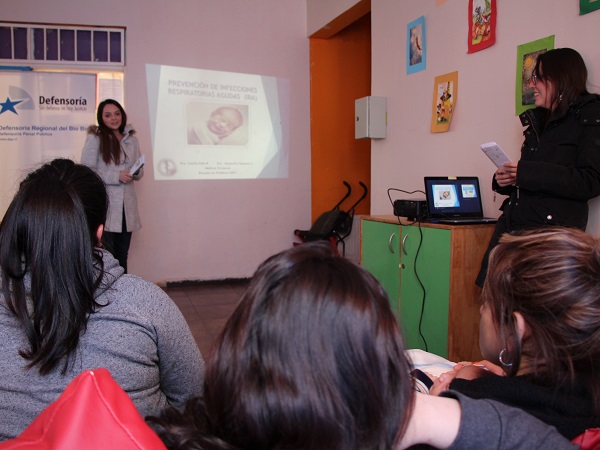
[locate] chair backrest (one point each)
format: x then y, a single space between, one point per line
92 413
589 439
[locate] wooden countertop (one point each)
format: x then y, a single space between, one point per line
394 219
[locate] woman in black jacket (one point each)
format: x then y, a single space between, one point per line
559 169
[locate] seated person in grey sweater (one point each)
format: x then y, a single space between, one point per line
312 358
539 330
66 305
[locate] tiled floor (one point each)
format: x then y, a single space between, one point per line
206 307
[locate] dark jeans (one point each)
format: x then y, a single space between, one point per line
118 243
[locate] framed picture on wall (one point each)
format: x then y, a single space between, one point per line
415 46
482 25
445 94
586 6
526 58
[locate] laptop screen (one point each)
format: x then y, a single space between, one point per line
453 197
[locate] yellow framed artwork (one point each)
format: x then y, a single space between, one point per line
445 94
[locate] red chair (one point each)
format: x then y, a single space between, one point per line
589 439
92 413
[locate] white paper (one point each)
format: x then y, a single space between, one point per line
136 165
495 153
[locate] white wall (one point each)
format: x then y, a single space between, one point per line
321 12
202 230
485 109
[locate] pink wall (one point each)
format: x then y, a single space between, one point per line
206 229
485 110
321 12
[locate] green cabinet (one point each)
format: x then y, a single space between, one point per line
380 255
413 264
428 272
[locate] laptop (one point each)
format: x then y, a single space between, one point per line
454 200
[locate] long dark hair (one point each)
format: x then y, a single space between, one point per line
311 358
110 148
48 258
565 68
552 278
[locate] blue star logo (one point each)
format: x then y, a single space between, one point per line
9 106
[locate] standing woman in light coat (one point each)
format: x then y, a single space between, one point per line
111 149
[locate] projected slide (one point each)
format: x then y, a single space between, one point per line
207 124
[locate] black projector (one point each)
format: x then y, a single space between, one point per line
411 209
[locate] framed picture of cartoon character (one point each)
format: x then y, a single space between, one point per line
482 25
445 94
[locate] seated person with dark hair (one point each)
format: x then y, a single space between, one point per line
540 330
312 358
66 306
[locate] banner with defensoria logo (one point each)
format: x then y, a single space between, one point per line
42 116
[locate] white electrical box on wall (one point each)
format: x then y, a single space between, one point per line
371 118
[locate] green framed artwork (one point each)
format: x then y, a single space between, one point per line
526 58
586 6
